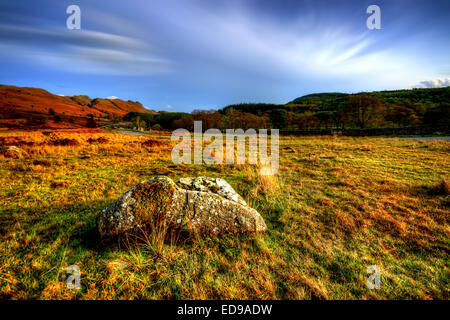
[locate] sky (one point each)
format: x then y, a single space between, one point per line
205 54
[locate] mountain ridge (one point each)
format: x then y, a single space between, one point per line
27 103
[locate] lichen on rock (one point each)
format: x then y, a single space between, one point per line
201 203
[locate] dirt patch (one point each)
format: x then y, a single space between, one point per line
44 163
61 184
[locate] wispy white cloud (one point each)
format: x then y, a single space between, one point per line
302 49
437 83
83 51
112 97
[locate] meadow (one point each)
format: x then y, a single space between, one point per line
336 206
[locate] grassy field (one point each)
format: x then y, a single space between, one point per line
336 206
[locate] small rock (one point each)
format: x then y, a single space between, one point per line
12 152
289 150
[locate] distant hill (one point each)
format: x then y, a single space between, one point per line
253 108
335 101
320 95
433 95
33 103
395 108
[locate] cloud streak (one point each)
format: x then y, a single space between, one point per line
82 51
309 45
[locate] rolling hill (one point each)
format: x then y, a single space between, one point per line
24 106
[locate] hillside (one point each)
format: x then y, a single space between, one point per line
400 97
24 107
397 108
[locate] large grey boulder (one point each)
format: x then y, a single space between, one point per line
201 203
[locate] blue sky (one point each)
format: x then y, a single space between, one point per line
203 54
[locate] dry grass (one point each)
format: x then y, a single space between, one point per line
336 206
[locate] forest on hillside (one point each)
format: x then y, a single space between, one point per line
401 108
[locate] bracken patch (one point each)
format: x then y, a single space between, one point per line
99 140
151 143
64 142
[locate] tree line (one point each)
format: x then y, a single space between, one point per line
317 111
